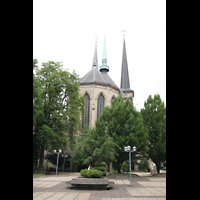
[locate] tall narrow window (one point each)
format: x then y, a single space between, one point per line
113 98
86 117
100 105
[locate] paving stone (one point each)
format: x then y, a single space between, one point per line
155 191
157 179
43 196
35 194
57 195
126 182
52 184
144 192
152 184
133 191
65 178
45 184
142 188
83 196
70 196
118 181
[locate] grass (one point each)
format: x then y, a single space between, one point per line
37 175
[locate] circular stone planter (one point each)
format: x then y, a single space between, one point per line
90 183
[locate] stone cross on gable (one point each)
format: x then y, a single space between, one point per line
96 37
124 31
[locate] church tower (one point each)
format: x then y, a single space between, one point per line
125 84
98 89
104 66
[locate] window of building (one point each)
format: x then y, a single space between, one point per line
112 99
100 105
86 117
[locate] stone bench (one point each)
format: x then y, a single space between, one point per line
90 183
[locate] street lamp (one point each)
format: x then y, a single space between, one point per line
128 149
64 161
57 158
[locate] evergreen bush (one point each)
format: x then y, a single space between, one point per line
91 173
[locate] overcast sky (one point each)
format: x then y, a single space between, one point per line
65 30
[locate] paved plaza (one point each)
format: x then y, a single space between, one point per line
143 187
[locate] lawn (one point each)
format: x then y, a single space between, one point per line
37 175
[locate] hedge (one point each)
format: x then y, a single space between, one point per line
91 173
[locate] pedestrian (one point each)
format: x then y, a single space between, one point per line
89 167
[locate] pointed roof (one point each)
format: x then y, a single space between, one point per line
125 84
95 76
104 66
104 56
95 59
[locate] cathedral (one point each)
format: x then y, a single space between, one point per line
99 89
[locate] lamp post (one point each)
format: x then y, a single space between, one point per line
64 161
128 149
57 158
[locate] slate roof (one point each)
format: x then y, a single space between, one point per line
94 75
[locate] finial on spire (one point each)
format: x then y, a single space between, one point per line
124 31
96 37
104 57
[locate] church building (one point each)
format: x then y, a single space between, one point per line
99 89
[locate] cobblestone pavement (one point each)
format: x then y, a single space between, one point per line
148 187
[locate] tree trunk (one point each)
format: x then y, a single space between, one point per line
158 167
35 149
119 168
41 158
34 156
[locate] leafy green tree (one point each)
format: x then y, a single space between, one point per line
37 103
144 164
61 107
125 125
154 115
93 148
37 111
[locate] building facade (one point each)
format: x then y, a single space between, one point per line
99 89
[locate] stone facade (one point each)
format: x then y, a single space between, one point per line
94 90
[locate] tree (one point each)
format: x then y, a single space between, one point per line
37 111
37 104
154 115
125 125
144 164
61 107
93 148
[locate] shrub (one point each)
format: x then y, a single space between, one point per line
84 172
99 168
91 173
125 167
96 174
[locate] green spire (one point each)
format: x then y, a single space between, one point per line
104 50
104 58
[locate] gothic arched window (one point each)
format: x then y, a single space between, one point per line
100 105
86 117
113 98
